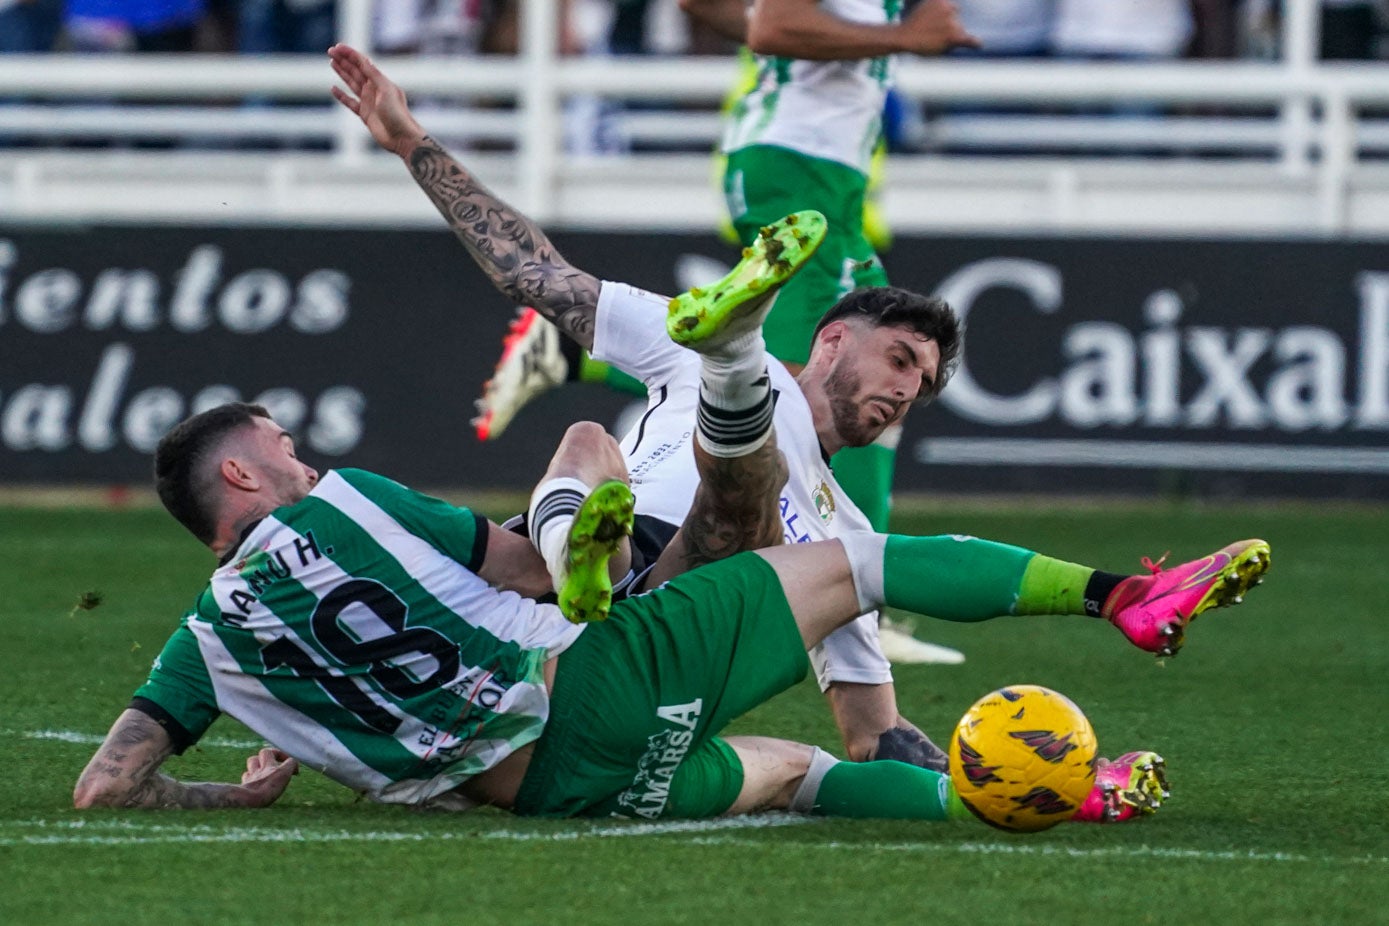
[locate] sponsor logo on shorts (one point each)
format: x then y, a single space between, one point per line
650 790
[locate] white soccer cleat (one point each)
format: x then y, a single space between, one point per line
903 649
531 363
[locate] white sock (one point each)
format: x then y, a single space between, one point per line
735 401
549 518
803 801
736 377
865 550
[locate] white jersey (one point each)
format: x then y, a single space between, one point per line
630 334
824 109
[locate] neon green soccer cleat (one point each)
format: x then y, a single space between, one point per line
709 316
600 524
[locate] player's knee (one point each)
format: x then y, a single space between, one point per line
590 452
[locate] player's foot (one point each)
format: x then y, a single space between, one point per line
903 649
600 524
1135 784
531 363
707 317
1153 610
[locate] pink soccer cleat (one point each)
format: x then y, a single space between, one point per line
1153 610
1132 785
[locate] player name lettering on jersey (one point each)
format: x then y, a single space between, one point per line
262 569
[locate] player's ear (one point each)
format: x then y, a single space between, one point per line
832 338
236 473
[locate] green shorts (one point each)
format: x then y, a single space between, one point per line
639 698
763 183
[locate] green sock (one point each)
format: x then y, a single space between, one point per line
1053 586
597 371
953 578
866 475
888 790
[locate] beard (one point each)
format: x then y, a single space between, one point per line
842 387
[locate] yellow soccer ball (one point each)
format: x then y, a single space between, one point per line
1023 758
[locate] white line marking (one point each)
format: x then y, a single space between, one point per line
95 739
1140 851
125 832
122 832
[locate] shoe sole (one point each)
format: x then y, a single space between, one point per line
1148 786
600 525
1244 571
699 316
487 425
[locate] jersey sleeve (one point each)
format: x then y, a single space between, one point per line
458 533
852 654
178 694
630 333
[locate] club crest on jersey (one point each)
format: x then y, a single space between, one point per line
823 498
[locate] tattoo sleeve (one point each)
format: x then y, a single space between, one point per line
735 506
124 772
510 248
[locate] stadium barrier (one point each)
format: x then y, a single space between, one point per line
1286 147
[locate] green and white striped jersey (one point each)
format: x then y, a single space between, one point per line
824 109
351 631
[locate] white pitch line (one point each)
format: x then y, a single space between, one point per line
1140 851
95 739
124 832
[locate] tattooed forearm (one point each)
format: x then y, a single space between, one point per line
510 248
125 772
161 792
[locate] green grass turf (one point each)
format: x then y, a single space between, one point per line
1272 721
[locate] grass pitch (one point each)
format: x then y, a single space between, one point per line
1272 721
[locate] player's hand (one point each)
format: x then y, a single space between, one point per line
267 775
933 28
376 100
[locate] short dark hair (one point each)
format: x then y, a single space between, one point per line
889 306
181 453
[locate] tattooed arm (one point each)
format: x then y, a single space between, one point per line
125 773
510 248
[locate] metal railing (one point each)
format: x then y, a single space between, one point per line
1304 120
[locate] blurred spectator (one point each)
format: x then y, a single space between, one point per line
1216 29
29 25
1350 30
431 27
1009 28
267 27
134 25
1129 30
